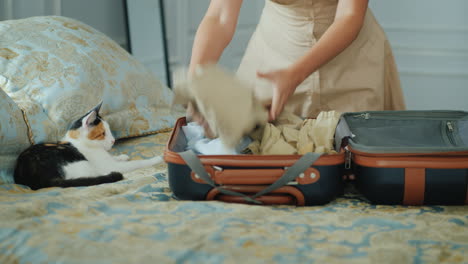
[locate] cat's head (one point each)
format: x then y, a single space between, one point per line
91 130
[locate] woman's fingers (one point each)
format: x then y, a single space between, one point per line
273 109
264 75
190 111
193 115
275 105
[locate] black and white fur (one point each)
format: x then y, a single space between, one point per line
80 159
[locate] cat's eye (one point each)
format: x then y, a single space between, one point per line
104 133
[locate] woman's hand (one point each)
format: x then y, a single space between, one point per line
348 21
284 84
195 116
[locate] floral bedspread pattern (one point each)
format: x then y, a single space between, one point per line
138 221
57 68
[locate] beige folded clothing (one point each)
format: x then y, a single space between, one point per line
292 135
227 104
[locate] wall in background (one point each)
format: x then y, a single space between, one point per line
106 16
146 36
430 43
183 18
429 39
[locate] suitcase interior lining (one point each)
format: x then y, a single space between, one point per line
401 133
379 134
389 136
463 131
180 142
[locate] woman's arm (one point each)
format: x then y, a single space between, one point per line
343 31
215 32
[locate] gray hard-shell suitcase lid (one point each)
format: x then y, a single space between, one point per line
418 131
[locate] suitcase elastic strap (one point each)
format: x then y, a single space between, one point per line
290 174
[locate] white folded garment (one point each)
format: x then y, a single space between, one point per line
197 142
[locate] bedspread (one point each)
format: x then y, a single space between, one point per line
137 221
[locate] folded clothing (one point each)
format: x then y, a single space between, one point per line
197 142
227 104
292 135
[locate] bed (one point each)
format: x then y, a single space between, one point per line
137 220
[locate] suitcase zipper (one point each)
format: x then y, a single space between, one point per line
365 116
348 156
450 133
396 115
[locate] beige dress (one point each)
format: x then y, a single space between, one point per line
362 77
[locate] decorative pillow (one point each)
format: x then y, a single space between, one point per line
13 135
56 68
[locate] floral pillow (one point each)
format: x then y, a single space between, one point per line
57 68
13 135
54 69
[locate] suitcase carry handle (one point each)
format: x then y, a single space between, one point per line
283 195
254 176
290 174
265 200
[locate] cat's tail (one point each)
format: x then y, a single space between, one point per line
109 178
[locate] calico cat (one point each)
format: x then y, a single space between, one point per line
80 159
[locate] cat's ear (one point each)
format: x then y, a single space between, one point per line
89 119
97 108
91 116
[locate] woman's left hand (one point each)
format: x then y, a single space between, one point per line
284 84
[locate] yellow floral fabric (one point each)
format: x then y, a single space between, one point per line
57 68
13 134
54 69
138 221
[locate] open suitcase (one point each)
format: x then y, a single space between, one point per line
409 157
398 157
235 175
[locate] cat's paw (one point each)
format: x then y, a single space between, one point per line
122 157
156 160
